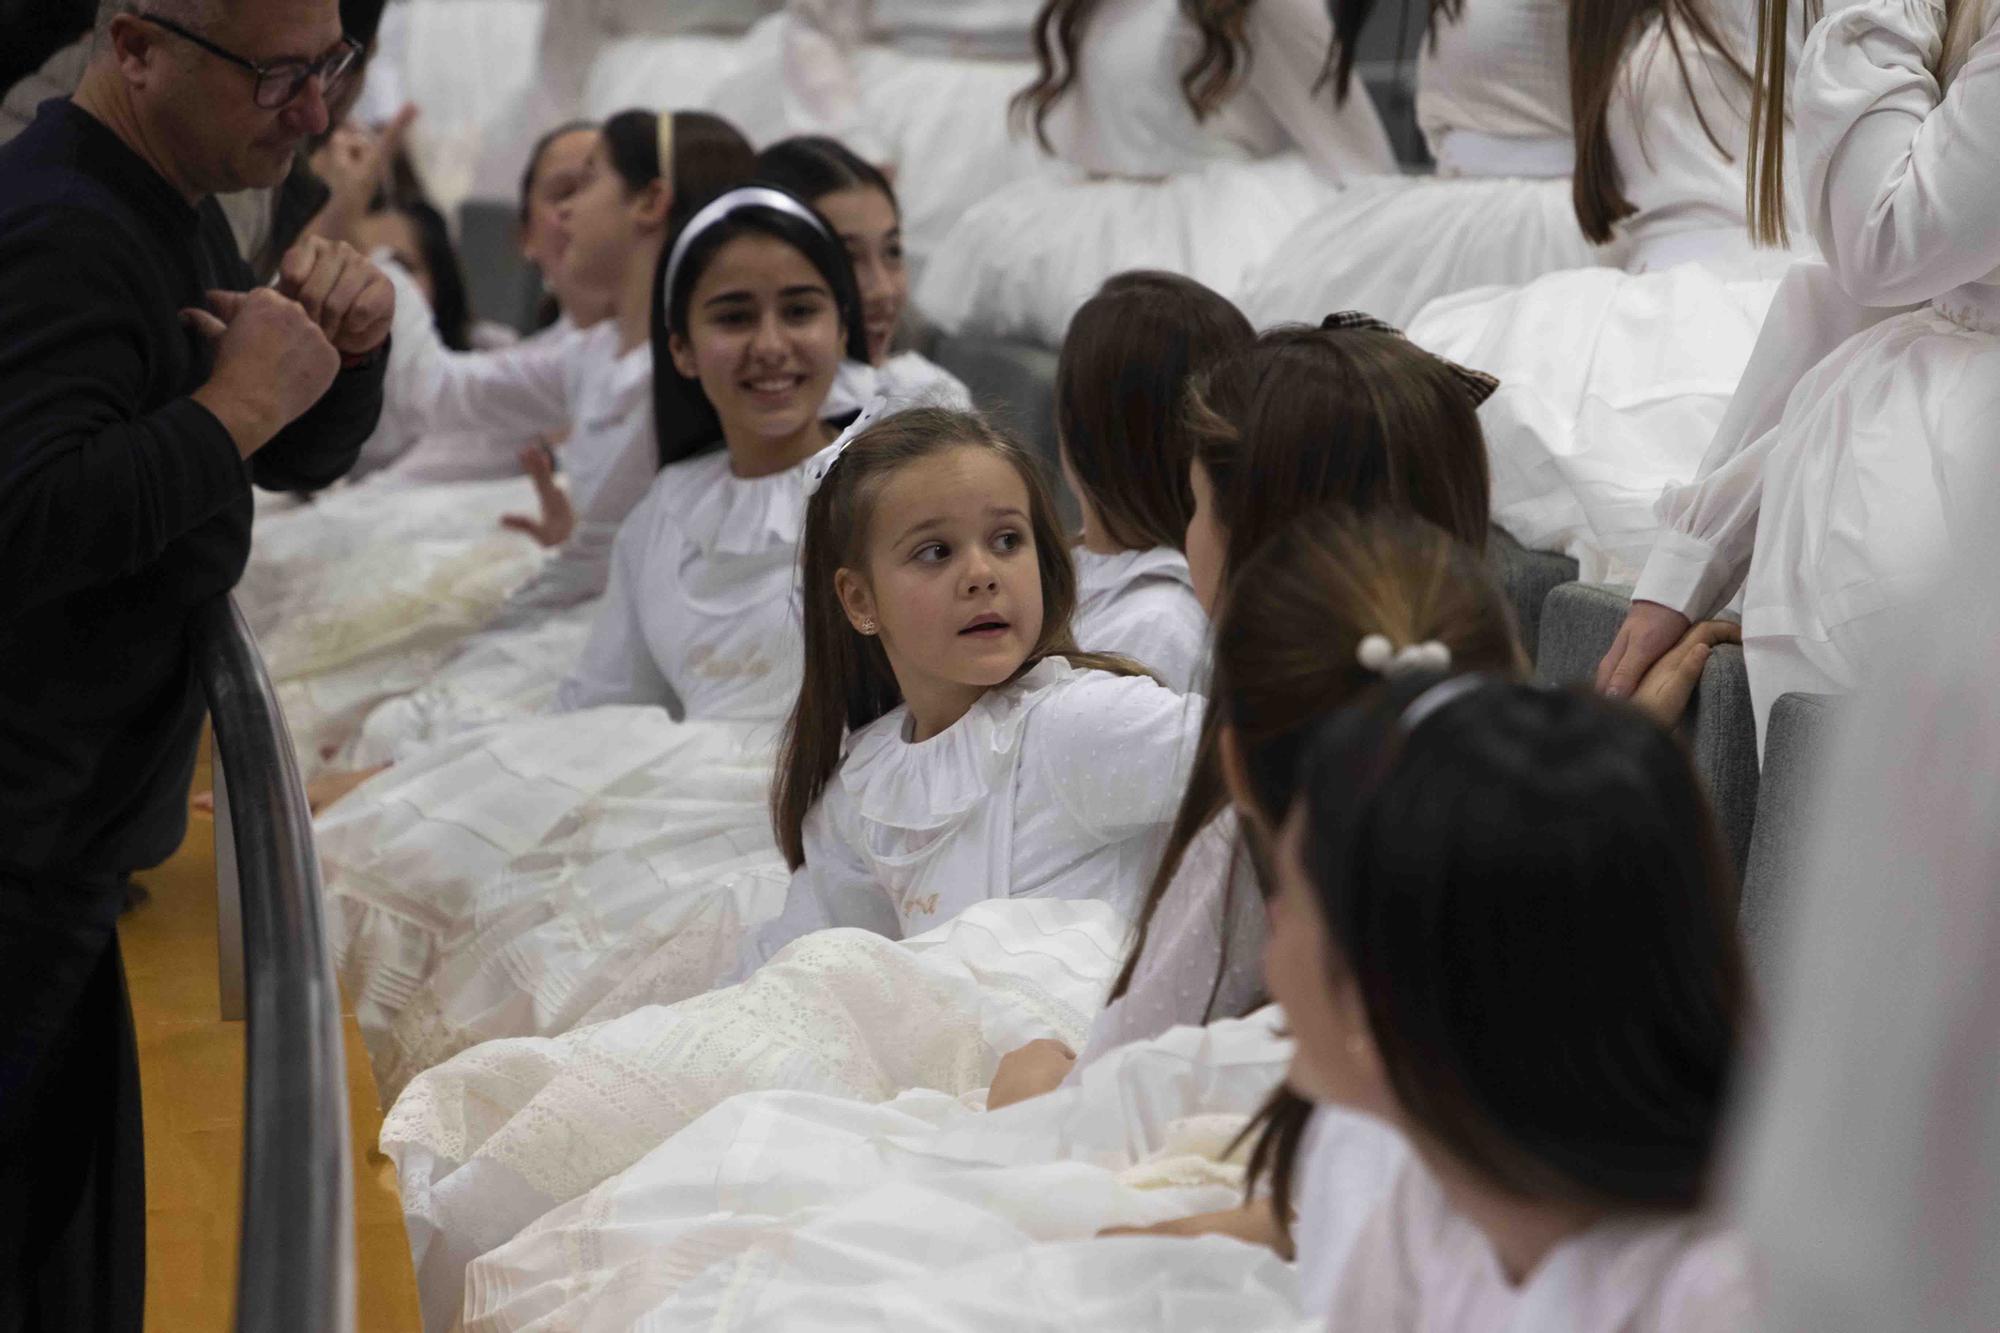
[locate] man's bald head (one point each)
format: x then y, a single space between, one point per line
188 12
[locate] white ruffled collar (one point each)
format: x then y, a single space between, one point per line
717 512
928 786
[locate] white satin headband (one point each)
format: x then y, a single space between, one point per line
748 196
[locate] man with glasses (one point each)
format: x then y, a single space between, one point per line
144 384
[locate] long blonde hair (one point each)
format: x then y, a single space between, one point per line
1966 21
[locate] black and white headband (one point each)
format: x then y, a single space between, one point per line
718 212
1477 383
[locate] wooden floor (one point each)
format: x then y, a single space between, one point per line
191 1066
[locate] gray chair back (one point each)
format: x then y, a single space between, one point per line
1527 577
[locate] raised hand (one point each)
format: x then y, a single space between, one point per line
558 517
272 363
350 299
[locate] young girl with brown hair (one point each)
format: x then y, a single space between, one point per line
1193 136
1126 444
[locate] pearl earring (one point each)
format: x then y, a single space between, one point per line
867 627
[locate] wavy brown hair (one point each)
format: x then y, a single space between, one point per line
1120 385
1601 34
1206 82
848 682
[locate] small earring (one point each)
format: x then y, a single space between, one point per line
868 627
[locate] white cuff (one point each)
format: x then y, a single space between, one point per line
1686 574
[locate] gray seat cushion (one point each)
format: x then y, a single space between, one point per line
1014 384
1527 577
1579 621
499 283
1796 742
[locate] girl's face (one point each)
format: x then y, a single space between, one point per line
398 235
866 222
950 580
1335 1059
606 221
558 175
1207 540
764 338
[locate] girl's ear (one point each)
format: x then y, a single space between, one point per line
651 205
683 354
857 599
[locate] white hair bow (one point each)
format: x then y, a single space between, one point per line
821 464
1385 659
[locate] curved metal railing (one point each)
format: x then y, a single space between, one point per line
295 1262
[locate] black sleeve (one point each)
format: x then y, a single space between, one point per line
320 447
91 489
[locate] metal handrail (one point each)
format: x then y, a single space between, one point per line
295 1261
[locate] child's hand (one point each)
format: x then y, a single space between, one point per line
558 517
1036 1068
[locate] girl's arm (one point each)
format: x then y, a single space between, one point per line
1254 1223
1288 41
1116 751
617 665
835 887
1901 188
822 77
519 390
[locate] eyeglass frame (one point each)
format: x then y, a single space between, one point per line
331 69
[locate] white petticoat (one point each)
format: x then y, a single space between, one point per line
1881 447
497 676
1611 388
497 1136
506 883
779 1209
1019 264
1391 246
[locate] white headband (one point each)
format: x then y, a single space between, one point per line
749 196
1441 695
821 463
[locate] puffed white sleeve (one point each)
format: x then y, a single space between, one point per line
835 887
519 390
617 666
1288 42
1116 752
822 72
1709 525
1158 624
1901 188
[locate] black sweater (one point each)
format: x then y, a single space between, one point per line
123 503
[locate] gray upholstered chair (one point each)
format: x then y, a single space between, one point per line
1527 577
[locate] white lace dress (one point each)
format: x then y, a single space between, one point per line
1141 604
1832 497
1149 186
1493 104
503 883
780 1210
1613 382
1018 808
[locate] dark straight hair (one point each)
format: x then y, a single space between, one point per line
1121 391
813 166
451 309
1350 18
532 173
1527 887
682 414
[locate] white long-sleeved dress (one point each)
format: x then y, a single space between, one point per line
1613 381
1150 186
1493 104
1057 787
1830 494
500 884
1141 604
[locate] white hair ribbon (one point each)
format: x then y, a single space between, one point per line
1385 659
821 464
748 196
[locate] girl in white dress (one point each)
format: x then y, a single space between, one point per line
1493 102
1614 381
1195 138
1126 443
949 749
1550 1020
456 916
1830 491
919 87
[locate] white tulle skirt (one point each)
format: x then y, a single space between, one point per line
781 1210
1881 448
494 1138
1390 247
515 881
1611 388
1020 263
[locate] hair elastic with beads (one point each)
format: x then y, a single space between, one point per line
1385 659
718 212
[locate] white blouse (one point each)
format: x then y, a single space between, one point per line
701 617
1059 785
1204 954
1493 90
1126 115
1419 1267
1901 195
1141 604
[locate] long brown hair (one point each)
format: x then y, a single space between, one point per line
1601 33
1206 83
1120 385
848 682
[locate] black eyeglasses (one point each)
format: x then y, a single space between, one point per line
280 82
